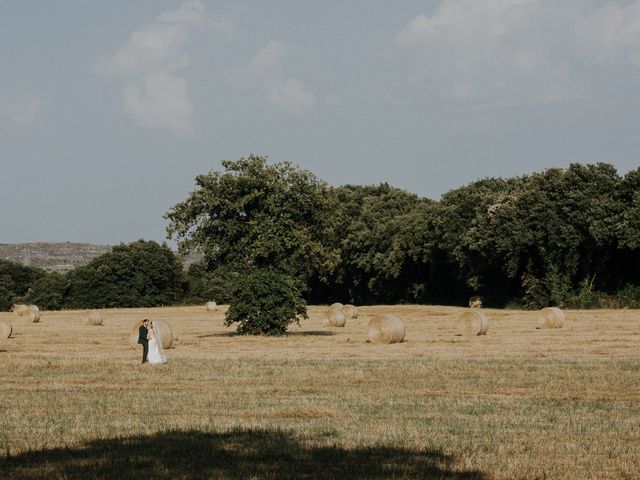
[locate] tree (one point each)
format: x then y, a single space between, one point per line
376 229
265 302
253 217
49 292
139 274
15 281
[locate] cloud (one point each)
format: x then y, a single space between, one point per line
161 103
20 109
154 93
265 70
290 94
265 63
498 53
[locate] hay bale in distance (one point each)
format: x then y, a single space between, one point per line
350 311
551 317
335 318
336 305
33 315
472 322
212 306
94 318
475 302
386 328
20 309
133 336
6 329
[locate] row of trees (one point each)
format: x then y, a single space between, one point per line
559 237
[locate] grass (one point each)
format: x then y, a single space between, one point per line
322 403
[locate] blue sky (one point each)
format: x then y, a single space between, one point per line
108 110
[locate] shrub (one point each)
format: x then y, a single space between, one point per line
265 302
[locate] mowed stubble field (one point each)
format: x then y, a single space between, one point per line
321 402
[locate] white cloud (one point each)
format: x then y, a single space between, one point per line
265 70
161 103
265 63
290 94
20 109
498 53
154 93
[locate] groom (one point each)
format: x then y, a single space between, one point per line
143 339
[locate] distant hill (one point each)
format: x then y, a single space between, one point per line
58 257
63 256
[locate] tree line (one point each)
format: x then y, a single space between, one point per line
565 236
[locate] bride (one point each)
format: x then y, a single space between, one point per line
156 352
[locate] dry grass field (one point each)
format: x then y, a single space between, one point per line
518 403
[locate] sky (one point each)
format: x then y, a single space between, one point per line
109 110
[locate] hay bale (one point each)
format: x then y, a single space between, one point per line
475 302
472 322
335 318
551 317
165 333
20 309
33 315
212 306
337 306
350 311
6 329
133 336
94 317
386 328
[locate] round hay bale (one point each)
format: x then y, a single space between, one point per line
165 333
472 323
551 317
335 318
20 309
337 306
6 329
386 328
350 311
94 317
212 306
133 336
475 302
33 315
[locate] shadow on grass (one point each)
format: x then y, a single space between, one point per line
218 335
256 454
312 333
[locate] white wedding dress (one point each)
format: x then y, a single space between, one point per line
156 352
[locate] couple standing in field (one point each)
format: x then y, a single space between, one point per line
149 338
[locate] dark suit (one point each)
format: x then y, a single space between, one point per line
142 339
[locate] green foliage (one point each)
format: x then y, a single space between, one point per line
49 292
139 274
379 232
265 301
205 285
256 215
15 281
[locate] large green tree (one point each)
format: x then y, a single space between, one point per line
256 216
378 230
138 274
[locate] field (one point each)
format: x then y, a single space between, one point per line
323 403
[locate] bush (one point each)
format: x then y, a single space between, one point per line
15 281
48 292
205 286
138 274
264 302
